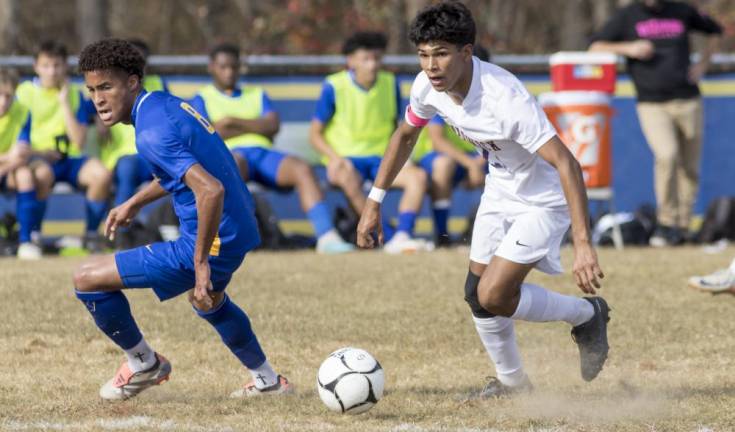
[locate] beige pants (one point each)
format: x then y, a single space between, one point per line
673 130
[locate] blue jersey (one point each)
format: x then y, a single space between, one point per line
172 137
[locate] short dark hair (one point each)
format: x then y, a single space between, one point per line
8 77
51 48
365 40
481 52
448 21
141 45
112 54
225 48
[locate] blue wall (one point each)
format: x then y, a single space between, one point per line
632 160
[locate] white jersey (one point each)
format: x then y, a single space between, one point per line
507 125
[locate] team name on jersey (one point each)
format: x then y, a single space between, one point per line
484 145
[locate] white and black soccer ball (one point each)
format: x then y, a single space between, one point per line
350 381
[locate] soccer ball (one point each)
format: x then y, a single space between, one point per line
350 381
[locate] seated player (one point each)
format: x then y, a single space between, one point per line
59 119
244 117
15 174
534 190
117 149
355 115
448 161
190 162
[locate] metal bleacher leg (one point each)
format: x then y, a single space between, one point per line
617 235
606 194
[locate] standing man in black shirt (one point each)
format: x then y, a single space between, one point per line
654 37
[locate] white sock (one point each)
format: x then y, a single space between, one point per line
442 204
140 357
541 305
400 236
498 336
732 267
331 235
264 375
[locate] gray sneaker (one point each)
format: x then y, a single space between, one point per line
126 383
591 337
281 387
494 389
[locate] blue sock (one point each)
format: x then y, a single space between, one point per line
388 229
233 326
24 212
111 313
320 218
406 222
39 210
126 176
95 213
441 219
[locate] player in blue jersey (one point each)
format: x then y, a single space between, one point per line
218 227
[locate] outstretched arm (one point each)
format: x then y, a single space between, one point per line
586 268
210 196
399 149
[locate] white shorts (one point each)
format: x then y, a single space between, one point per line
531 236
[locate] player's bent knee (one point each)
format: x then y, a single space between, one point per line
419 175
491 298
84 279
470 296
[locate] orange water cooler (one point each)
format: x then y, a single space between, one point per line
582 119
579 108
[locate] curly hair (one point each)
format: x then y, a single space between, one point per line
365 40
448 21
112 54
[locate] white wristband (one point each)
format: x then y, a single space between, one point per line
377 194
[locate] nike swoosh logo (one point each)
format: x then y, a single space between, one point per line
521 244
149 248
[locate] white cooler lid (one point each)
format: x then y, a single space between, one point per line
574 97
582 57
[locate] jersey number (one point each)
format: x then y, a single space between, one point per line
200 118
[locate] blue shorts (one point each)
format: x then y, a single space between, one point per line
167 267
263 164
67 169
367 166
460 173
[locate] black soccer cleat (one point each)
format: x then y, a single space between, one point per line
494 389
591 337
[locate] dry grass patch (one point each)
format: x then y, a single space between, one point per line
670 367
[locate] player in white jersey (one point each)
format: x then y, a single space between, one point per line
535 185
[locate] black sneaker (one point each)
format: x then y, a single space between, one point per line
666 236
494 389
443 241
95 243
591 337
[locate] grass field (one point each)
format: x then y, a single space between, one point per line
670 366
